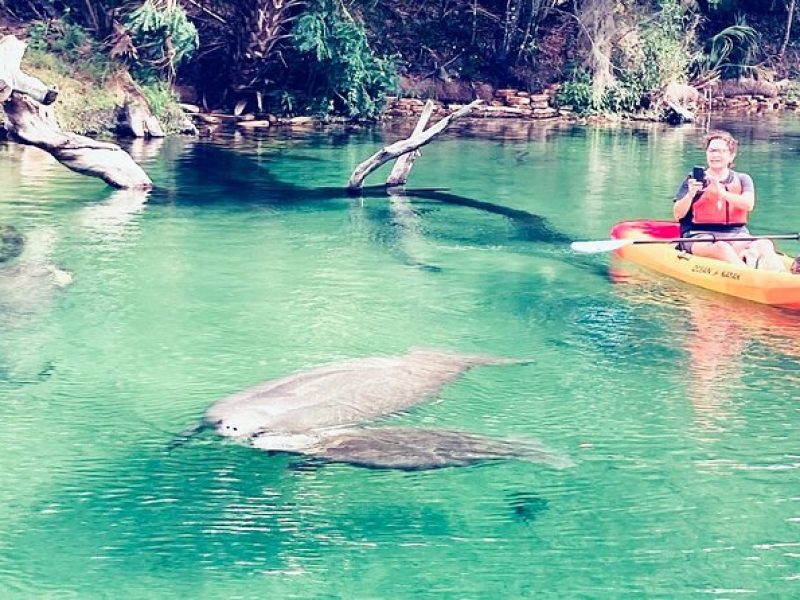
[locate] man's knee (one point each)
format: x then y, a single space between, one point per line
764 245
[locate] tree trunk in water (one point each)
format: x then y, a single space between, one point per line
107 161
402 147
29 122
402 167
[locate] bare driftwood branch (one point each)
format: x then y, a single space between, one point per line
12 78
682 114
402 167
134 118
403 146
30 123
107 161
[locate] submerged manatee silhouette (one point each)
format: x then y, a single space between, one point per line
408 448
11 242
313 413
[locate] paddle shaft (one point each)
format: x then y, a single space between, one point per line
617 243
712 238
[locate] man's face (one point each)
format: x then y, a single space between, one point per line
718 154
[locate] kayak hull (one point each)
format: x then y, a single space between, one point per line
765 287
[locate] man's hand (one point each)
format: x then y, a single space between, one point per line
694 187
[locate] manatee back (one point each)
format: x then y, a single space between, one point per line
412 448
343 393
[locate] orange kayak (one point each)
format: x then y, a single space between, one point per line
766 287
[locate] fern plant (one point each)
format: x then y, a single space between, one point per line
732 51
343 73
162 36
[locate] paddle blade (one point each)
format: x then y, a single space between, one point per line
599 246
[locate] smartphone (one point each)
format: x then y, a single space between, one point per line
699 173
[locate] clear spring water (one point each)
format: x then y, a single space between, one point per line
247 263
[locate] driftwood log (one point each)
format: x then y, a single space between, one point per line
31 123
12 78
677 114
680 101
402 166
134 118
399 148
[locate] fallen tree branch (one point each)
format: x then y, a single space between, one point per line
12 78
107 161
402 147
29 122
402 167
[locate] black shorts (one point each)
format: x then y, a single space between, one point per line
712 236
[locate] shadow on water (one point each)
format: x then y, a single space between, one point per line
241 180
527 507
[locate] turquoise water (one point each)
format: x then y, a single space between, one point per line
679 407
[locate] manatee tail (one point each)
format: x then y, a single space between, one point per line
533 451
471 360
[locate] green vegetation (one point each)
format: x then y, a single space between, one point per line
160 37
732 51
163 102
341 72
63 54
345 56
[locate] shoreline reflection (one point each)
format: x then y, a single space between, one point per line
719 335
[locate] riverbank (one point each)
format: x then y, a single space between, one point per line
504 110
94 94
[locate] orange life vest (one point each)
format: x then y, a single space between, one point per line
710 208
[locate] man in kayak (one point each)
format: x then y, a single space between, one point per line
717 209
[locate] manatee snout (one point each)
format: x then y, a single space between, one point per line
239 424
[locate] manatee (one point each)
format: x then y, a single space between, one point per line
27 279
407 448
11 242
315 412
339 394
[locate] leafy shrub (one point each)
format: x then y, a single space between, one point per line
666 46
624 96
343 73
160 97
163 37
37 36
793 90
163 103
577 92
57 35
64 46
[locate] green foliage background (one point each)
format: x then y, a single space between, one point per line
341 72
345 56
